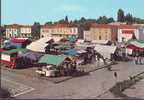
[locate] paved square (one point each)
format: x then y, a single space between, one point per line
15 88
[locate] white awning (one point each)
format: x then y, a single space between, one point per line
39 45
100 41
106 51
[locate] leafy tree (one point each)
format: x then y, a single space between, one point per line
49 23
2 30
102 20
120 15
36 30
129 18
66 19
82 20
110 20
133 37
62 21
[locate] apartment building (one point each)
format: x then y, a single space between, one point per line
12 30
126 32
101 32
15 30
60 30
25 30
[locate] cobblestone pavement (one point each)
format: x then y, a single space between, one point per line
94 85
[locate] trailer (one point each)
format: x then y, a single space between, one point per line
9 58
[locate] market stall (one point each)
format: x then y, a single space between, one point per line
9 58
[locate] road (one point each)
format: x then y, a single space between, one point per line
90 86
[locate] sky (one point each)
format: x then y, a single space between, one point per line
29 11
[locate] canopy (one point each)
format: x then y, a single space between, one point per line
135 44
39 45
20 40
106 51
15 51
71 52
81 51
80 41
31 55
52 59
100 41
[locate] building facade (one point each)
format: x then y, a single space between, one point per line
60 30
101 32
126 32
15 30
141 33
25 30
12 30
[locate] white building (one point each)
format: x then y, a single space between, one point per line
61 30
141 33
126 32
87 36
12 30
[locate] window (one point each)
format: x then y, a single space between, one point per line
99 37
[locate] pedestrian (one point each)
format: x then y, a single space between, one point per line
115 74
136 57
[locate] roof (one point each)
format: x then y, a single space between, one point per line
58 26
71 52
127 27
103 26
20 40
52 59
105 50
15 50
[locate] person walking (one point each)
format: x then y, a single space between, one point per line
136 57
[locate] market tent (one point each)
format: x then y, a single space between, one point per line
71 52
20 40
79 41
52 59
72 38
106 51
100 41
81 51
32 56
135 44
20 50
39 45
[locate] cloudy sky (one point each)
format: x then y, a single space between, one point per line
29 11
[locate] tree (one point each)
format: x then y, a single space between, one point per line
36 30
49 23
120 15
102 20
82 20
129 18
133 37
62 21
2 30
66 19
110 20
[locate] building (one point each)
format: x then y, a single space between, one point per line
87 35
60 30
101 32
12 30
15 30
141 33
25 31
126 32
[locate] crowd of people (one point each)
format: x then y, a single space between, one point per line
139 57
